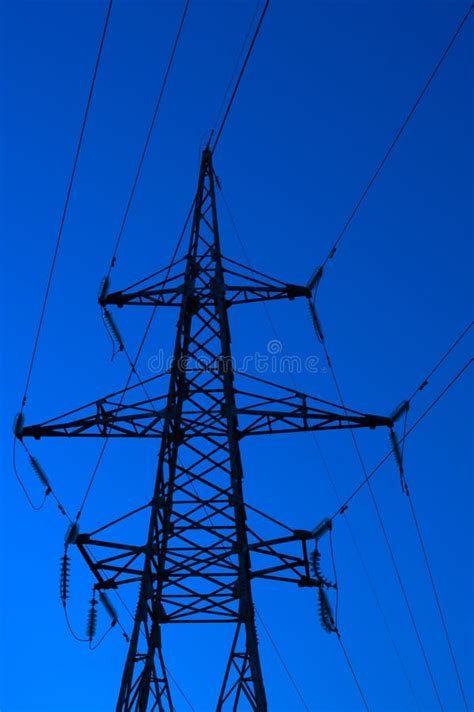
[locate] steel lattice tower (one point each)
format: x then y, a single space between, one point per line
198 560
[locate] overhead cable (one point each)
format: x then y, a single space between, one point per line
215 141
66 203
395 140
149 134
410 430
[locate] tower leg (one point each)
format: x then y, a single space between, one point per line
242 687
145 686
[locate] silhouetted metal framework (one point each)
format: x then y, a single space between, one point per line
199 557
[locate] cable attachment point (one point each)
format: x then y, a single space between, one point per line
18 425
108 607
325 613
64 577
92 619
40 474
217 179
403 408
113 332
71 534
399 459
324 607
313 283
104 290
322 528
315 319
208 144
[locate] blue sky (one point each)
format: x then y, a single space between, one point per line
328 86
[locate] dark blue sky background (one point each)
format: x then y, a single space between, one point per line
327 88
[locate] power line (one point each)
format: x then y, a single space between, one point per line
71 629
398 575
133 367
236 67
388 454
281 659
131 195
338 632
180 689
219 133
426 557
394 142
49 488
353 672
69 192
149 134
334 487
443 358
368 576
421 387
386 536
378 512
241 74
178 686
66 615
331 254
66 204
385 533
119 237
34 506
378 603
438 603
332 482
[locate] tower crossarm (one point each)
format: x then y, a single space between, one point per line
107 419
258 414
276 409
110 416
285 558
157 296
279 560
240 285
268 411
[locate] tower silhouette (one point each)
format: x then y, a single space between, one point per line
199 557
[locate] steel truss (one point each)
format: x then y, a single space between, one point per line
199 558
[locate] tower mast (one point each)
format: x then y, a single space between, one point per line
200 556
203 340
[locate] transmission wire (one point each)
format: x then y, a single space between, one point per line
133 369
236 66
239 78
35 507
331 479
432 581
353 672
419 531
338 632
282 660
385 534
388 454
149 134
178 686
394 142
443 358
56 251
66 205
133 362
438 603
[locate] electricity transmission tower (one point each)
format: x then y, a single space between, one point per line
197 562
